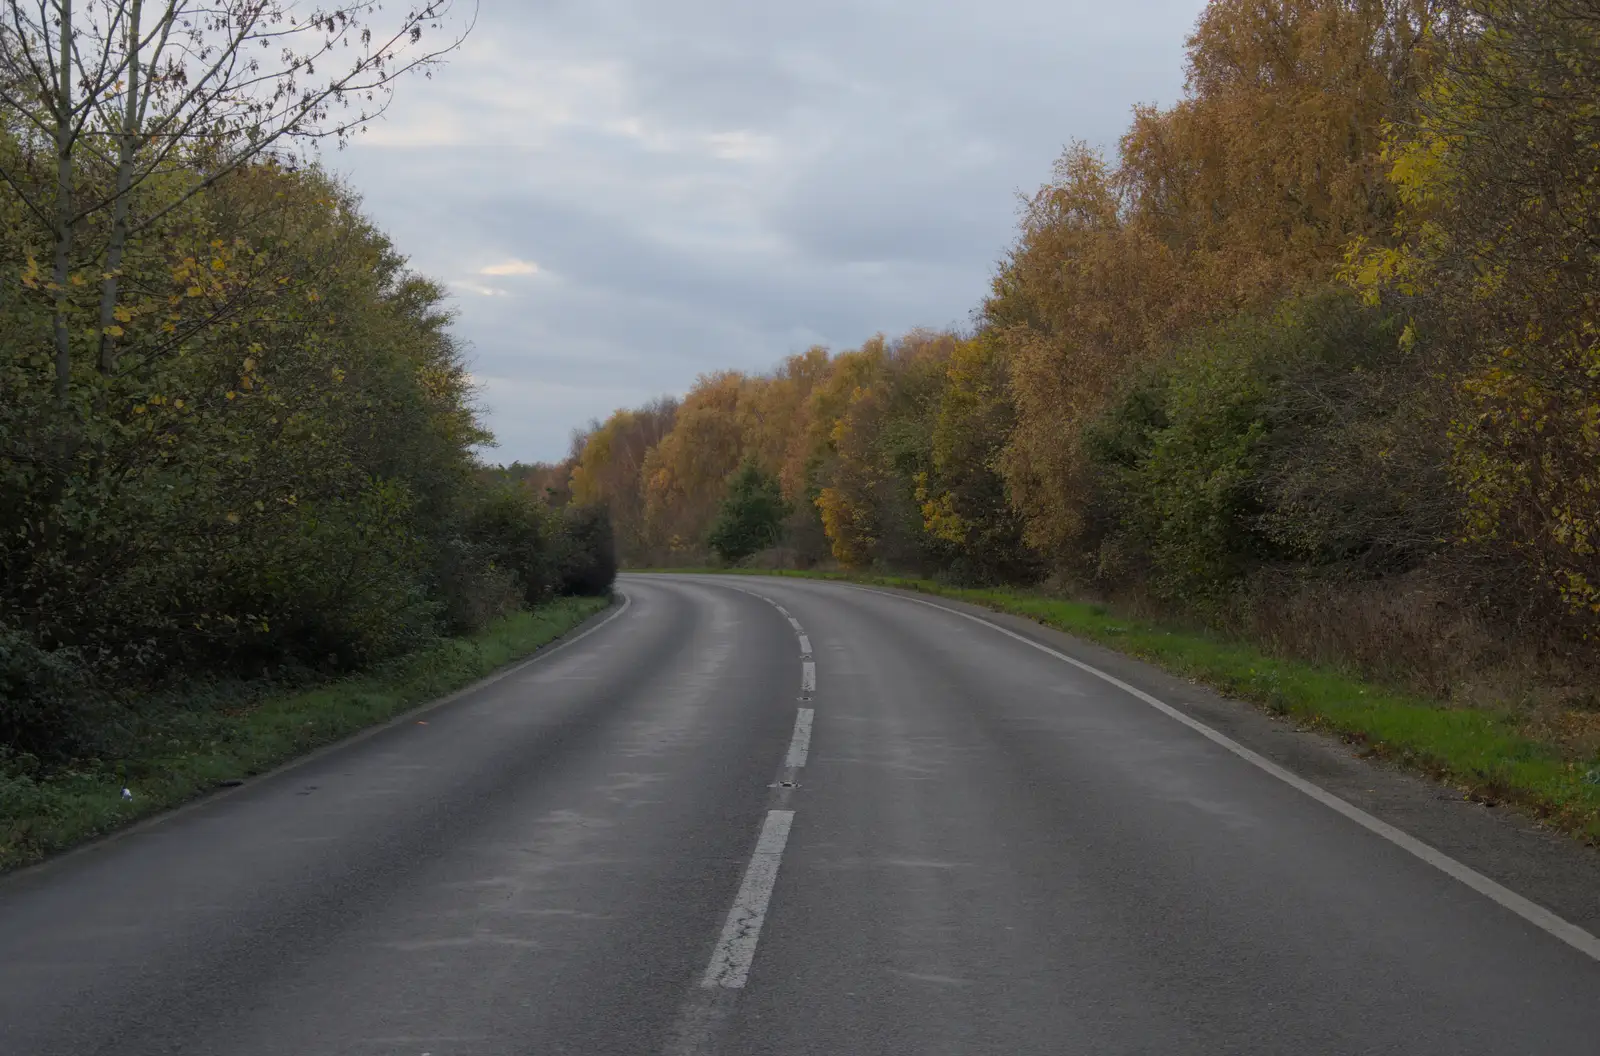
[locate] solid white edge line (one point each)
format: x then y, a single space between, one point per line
800 745
808 676
736 949
805 646
574 640
1528 910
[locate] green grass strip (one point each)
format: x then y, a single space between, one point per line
192 749
1480 751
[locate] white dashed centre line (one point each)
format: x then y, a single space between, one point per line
801 743
736 949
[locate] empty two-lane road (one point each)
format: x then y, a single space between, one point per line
745 815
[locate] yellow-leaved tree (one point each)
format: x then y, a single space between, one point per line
1499 179
685 474
1246 190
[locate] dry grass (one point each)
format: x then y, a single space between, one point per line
1410 634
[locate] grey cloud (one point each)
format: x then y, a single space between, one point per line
716 183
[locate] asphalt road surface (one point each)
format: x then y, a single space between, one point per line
757 816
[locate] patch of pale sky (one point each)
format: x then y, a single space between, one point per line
711 183
478 288
740 145
510 267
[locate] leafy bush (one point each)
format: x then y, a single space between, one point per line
514 550
1291 437
473 590
588 551
44 698
264 490
272 467
517 535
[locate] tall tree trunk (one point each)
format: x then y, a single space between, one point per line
63 225
119 209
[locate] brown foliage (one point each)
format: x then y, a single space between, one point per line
608 462
1499 176
684 474
1247 189
1169 394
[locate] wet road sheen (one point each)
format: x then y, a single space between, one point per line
748 815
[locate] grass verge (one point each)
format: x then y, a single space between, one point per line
192 748
1481 751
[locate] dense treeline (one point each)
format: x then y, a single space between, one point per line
236 434
1313 356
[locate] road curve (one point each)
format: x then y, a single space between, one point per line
747 815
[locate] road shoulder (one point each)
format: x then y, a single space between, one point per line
66 814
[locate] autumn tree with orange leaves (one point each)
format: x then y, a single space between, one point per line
1318 329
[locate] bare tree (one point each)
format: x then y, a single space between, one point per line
184 91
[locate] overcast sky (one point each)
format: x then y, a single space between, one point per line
623 194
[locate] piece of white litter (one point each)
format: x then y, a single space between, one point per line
126 794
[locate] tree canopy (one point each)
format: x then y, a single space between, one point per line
1329 317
